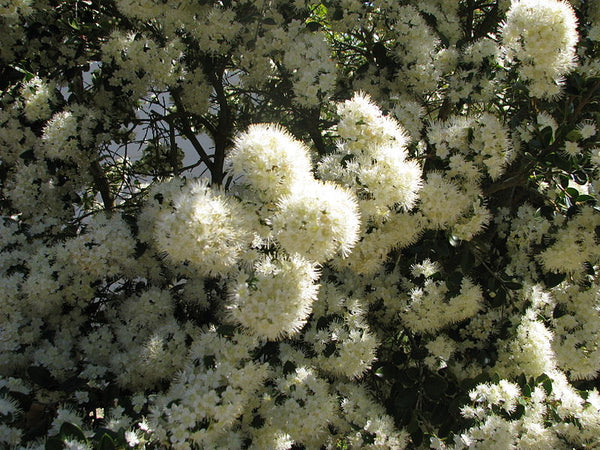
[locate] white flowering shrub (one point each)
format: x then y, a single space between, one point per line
299 224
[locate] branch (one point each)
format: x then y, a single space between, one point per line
172 155
101 183
311 121
514 181
189 134
224 126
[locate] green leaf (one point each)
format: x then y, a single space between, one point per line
580 177
497 298
54 443
313 26
27 155
583 198
518 412
106 443
435 387
572 192
324 322
540 379
70 430
454 282
467 261
547 385
552 279
547 136
573 135
73 24
513 285
329 349
387 372
405 399
42 377
209 361
27 73
226 330
454 241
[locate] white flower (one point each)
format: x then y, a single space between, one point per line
389 179
275 300
37 96
587 129
541 35
132 438
203 227
363 126
317 221
572 149
308 409
269 161
442 203
8 406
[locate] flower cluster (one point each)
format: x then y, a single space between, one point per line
297 224
541 36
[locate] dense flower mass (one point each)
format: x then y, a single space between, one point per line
317 221
274 299
294 224
541 36
201 227
269 161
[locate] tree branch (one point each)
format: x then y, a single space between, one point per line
101 183
186 130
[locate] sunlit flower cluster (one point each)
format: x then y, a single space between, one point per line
541 36
285 225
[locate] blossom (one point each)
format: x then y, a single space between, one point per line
572 149
530 351
426 311
368 420
317 221
441 202
307 409
269 161
37 96
8 406
491 144
574 246
541 35
389 179
587 129
275 299
215 386
13 8
577 332
60 136
363 126
310 64
440 350
202 227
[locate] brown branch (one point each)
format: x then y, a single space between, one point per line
224 127
172 155
311 121
584 102
102 184
514 181
186 130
